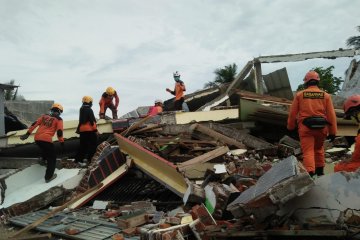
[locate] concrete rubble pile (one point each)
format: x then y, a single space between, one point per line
231 172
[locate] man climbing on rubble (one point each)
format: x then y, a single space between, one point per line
156 109
313 111
87 130
178 92
48 124
106 101
352 111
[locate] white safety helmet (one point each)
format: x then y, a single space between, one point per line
158 101
176 74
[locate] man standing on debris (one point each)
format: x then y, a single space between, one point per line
48 124
178 92
106 101
313 111
352 111
156 109
88 131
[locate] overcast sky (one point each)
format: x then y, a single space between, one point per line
62 50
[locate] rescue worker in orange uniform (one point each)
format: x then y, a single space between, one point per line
156 109
106 101
178 91
352 110
88 131
48 124
313 112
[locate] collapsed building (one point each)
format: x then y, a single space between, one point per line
211 173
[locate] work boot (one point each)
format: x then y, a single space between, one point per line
319 171
52 178
312 174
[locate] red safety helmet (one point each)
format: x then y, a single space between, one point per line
311 75
351 102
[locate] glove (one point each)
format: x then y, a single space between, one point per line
102 115
168 90
25 136
331 137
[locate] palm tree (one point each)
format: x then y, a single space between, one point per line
354 41
223 75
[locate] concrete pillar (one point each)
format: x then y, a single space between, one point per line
2 114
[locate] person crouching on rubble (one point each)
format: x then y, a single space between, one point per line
352 111
88 131
48 124
106 101
156 109
313 111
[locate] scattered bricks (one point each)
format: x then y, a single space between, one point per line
130 231
132 220
71 231
164 225
173 220
117 236
111 213
185 218
231 168
200 212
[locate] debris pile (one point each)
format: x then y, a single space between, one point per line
231 172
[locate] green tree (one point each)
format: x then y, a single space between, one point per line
223 75
328 82
354 41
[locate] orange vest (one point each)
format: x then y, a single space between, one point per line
48 126
312 102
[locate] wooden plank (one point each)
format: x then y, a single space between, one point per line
155 166
203 158
135 125
147 128
217 135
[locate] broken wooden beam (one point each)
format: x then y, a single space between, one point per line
247 139
203 158
218 136
155 166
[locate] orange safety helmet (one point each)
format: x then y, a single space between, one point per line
311 75
110 91
58 106
351 102
87 99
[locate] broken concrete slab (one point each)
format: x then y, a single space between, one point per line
187 117
284 181
331 196
30 182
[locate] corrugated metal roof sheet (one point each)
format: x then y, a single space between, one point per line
278 84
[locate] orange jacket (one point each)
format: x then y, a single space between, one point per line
154 110
179 90
106 100
312 102
48 125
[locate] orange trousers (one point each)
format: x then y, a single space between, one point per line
354 164
312 146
